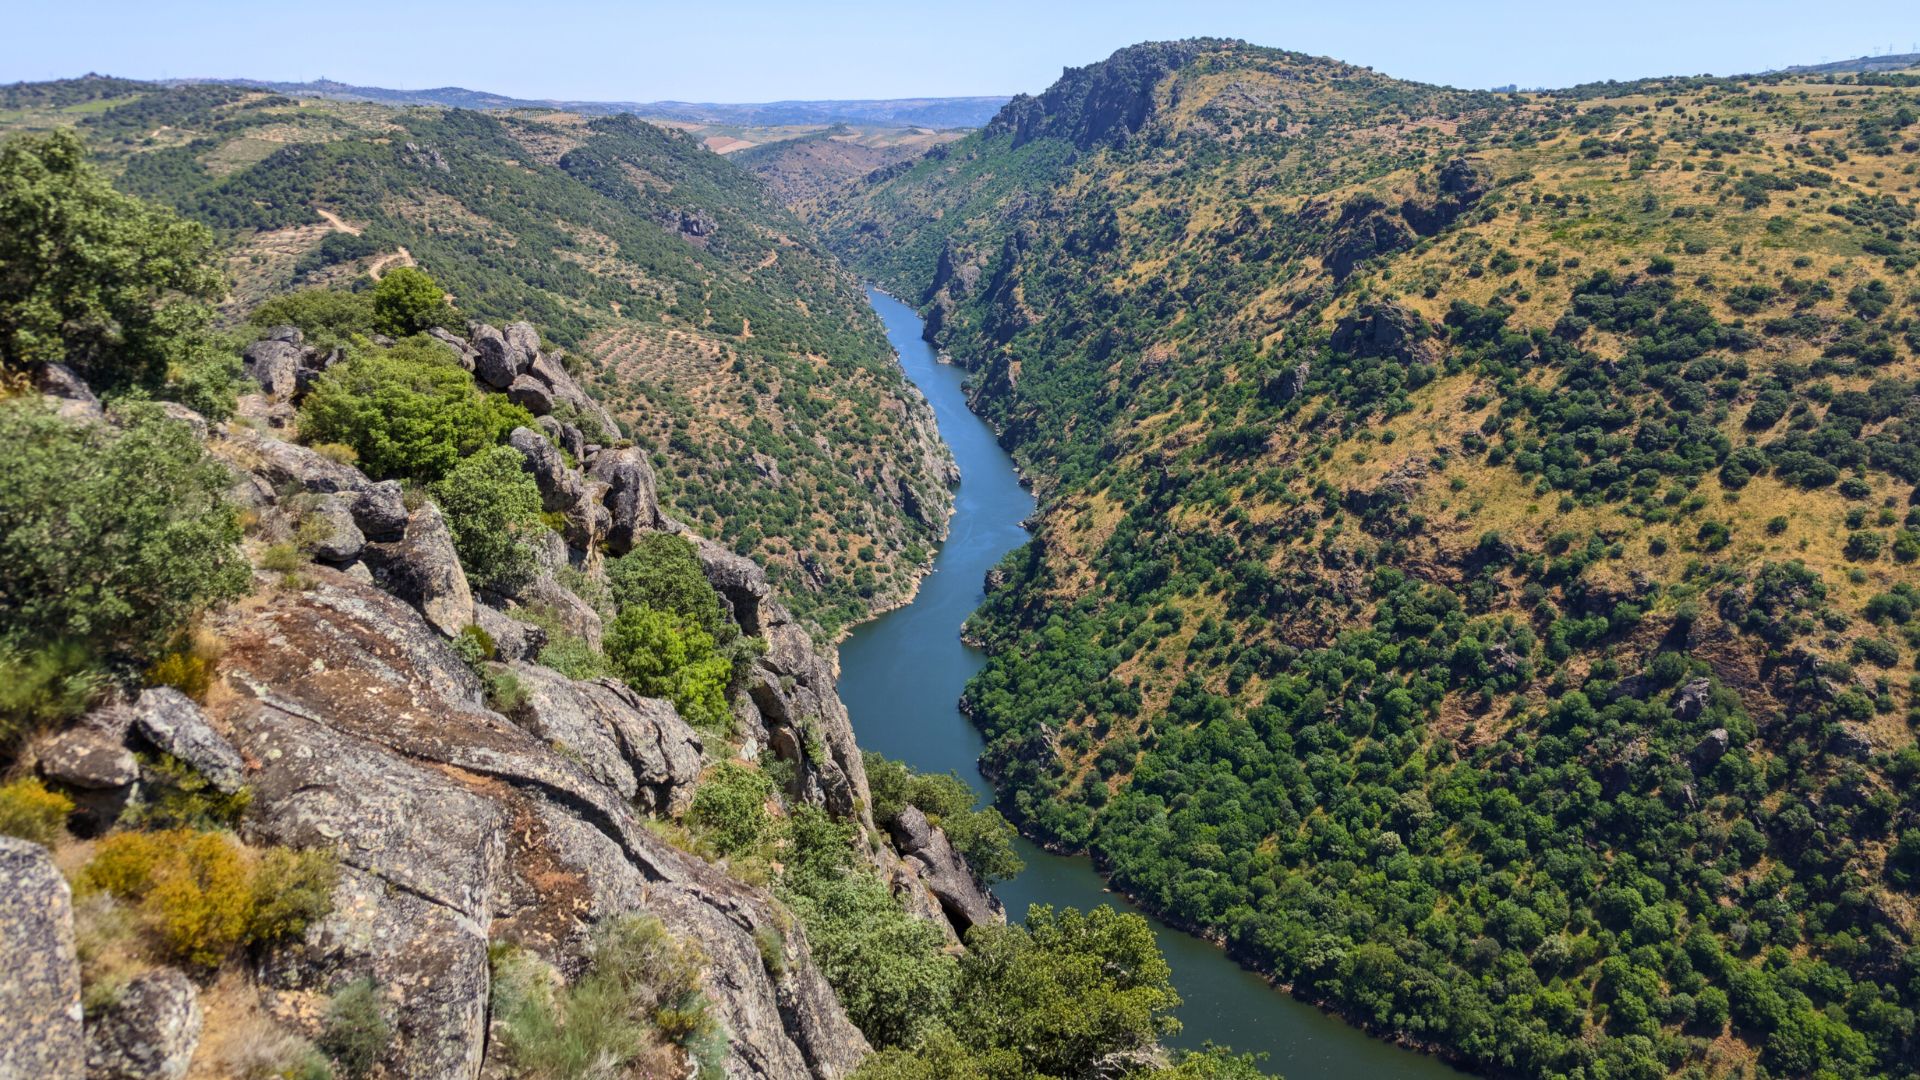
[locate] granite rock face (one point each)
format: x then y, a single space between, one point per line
40 1024
169 721
946 874
456 827
637 746
149 1032
423 569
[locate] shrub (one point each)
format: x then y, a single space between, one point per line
356 1034
192 887
30 812
112 538
325 317
887 968
492 506
291 890
175 795
407 301
41 687
983 837
663 572
661 654
406 411
641 991
574 656
730 806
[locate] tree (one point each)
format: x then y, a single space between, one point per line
116 537
90 277
663 572
492 507
327 317
407 301
406 411
661 654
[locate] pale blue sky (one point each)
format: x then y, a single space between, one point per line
752 50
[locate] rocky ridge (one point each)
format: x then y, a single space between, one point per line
356 727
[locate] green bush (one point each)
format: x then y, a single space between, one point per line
95 278
663 572
408 411
30 812
492 507
983 837
661 654
174 795
42 686
640 993
408 301
730 807
887 968
291 890
325 317
356 1034
115 538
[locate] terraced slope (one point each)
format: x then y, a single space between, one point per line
1477 555
644 255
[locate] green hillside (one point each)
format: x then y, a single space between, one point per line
703 313
1475 573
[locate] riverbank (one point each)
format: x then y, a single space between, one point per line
902 674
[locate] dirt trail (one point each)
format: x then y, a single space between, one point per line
333 219
402 257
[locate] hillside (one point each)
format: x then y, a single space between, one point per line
701 311
810 171
1475 566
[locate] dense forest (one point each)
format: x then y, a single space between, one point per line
701 311
1474 577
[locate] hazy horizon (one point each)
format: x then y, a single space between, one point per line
756 51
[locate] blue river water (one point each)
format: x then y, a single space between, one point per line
901 676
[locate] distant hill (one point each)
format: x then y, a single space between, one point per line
1889 62
1473 575
899 112
705 315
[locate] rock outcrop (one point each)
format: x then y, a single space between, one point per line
149 1032
40 1025
945 873
456 827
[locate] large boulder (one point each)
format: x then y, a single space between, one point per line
96 770
462 352
512 638
149 1032
89 758
335 536
492 363
40 1023
455 829
274 362
636 745
423 569
961 896
523 346
632 500
531 394
286 466
169 721
380 510
560 487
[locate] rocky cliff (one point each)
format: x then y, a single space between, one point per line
343 710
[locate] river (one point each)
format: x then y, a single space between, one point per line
901 676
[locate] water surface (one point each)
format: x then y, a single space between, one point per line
902 674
